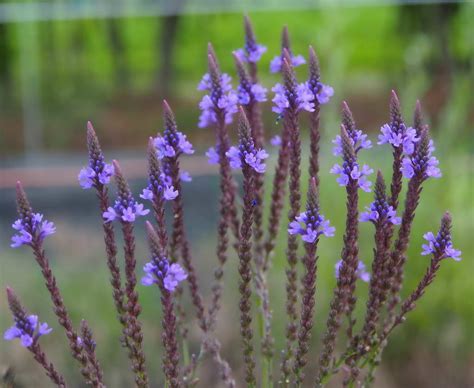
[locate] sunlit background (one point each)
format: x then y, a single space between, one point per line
65 62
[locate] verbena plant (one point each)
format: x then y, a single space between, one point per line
171 266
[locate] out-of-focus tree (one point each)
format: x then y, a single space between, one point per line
168 30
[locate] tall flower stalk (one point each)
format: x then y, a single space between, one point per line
353 177
288 105
29 330
174 140
322 93
314 225
167 277
126 210
31 229
97 176
249 159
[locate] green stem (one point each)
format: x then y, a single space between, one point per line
266 361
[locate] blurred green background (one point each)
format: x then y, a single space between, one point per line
57 72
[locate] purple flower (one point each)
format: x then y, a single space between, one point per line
275 141
398 136
378 212
256 92
97 173
356 174
28 227
441 244
213 155
185 176
303 99
125 213
172 144
321 92
358 140
310 225
221 97
277 62
174 276
361 272
251 53
280 100
159 270
421 162
324 94
253 157
27 330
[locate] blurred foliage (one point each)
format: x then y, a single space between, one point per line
112 70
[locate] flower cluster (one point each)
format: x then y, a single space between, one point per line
30 226
98 172
321 92
441 242
346 173
283 98
398 136
159 270
160 185
125 208
213 155
275 141
27 330
247 93
379 212
252 52
358 140
422 162
277 63
253 157
310 225
172 144
361 272
222 97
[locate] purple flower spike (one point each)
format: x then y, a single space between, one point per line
248 92
30 225
252 51
283 98
158 271
422 163
174 276
358 140
98 173
221 100
361 272
27 330
246 152
322 93
310 227
275 141
277 62
441 245
310 224
401 136
125 208
213 155
356 174
380 212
